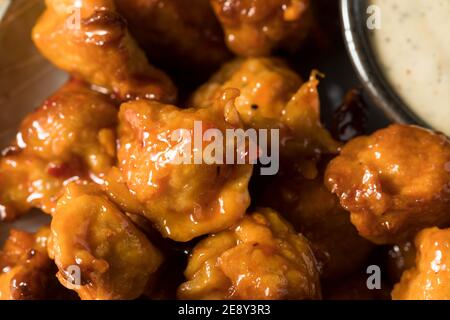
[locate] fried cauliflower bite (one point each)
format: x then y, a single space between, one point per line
27 182
316 213
394 182
90 40
260 258
25 268
115 186
158 162
75 122
176 33
257 27
429 279
70 137
266 86
272 96
115 259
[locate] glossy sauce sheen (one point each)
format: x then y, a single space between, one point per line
413 48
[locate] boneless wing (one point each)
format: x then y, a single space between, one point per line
394 182
90 40
75 122
184 198
70 137
257 27
262 257
115 259
429 279
27 182
272 96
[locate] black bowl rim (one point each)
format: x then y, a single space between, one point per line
357 42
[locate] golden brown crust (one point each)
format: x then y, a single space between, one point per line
75 122
115 259
261 258
70 137
257 27
266 85
26 182
95 45
184 200
429 279
272 96
394 182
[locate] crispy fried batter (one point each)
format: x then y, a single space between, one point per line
260 258
75 122
115 259
430 278
92 42
393 182
257 27
184 200
266 86
70 137
26 182
274 97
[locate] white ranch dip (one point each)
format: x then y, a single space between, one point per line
413 49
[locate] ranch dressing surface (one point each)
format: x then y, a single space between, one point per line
413 48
